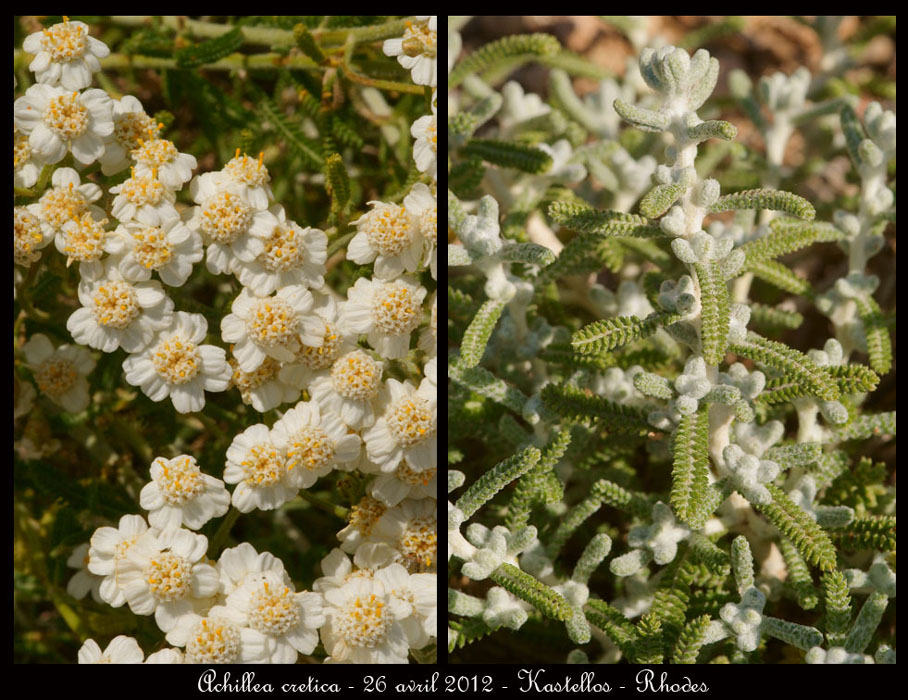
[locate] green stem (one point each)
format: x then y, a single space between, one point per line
327 506
220 537
339 243
381 84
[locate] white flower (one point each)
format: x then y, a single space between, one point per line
29 236
410 528
66 201
363 624
156 155
59 120
25 167
177 365
181 495
291 255
165 656
252 175
423 206
121 650
428 339
314 443
338 569
263 388
259 469
84 239
360 521
404 482
169 249
236 564
350 388
271 326
406 428
164 574
83 580
143 198
416 50
60 372
267 604
386 311
116 313
66 54
109 546
425 149
389 235
418 594
309 358
225 218
131 125
213 639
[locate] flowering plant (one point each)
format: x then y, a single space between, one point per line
226 411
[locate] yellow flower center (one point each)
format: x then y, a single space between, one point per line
324 355
177 360
21 150
356 376
168 577
133 127
364 621
66 116
419 40
283 249
264 465
395 309
408 475
274 610
116 304
272 322
365 514
389 228
225 217
247 170
419 544
56 376
411 420
61 204
84 238
155 153
151 247
122 547
246 382
213 641
64 42
143 189
181 480
27 236
311 448
428 223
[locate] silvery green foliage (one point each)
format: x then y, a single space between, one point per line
645 427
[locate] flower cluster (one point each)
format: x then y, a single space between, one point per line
350 374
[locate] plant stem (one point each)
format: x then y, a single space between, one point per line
220 537
328 507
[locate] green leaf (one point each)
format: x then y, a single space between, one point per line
290 132
497 51
608 334
658 200
766 199
573 403
787 236
476 337
210 51
544 598
586 219
495 479
879 345
811 541
792 364
691 640
509 155
337 182
716 312
690 472
483 382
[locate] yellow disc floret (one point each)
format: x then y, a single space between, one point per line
248 170
389 228
151 247
364 621
213 641
355 375
365 514
143 189
56 376
27 236
61 204
66 116
155 153
411 420
283 248
273 609
395 309
324 355
116 304
84 238
272 322
168 576
264 465
180 480
65 42
225 217
419 544
309 448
